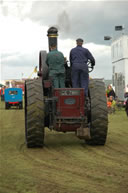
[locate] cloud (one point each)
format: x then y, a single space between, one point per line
17 72
103 66
13 65
24 28
16 8
88 19
20 35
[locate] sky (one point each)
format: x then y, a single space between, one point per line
24 25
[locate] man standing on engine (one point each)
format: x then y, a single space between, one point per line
79 57
55 62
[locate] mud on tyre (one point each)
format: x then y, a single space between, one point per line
98 116
34 113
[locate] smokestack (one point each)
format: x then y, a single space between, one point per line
52 36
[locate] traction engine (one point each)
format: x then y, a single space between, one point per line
64 109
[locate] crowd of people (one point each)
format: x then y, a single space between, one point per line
112 101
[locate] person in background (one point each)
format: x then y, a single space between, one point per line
79 57
126 102
111 104
2 93
110 92
126 107
55 62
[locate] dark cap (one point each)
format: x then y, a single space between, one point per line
79 40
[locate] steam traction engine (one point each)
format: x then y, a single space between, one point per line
63 109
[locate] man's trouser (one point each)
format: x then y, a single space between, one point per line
58 80
80 77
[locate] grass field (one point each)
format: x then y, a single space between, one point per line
66 164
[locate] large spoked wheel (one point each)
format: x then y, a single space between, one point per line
42 64
98 116
34 113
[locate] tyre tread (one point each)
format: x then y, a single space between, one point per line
34 113
99 113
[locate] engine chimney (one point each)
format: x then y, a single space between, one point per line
52 36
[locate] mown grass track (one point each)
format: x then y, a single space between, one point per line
65 164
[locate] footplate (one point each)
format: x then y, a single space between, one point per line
83 133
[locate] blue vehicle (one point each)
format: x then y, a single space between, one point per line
13 97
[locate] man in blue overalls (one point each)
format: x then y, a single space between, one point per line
79 57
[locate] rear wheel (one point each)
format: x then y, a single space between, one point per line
6 105
20 105
34 113
98 116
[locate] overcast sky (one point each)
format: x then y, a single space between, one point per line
24 25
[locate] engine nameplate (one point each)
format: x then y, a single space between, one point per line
70 101
70 92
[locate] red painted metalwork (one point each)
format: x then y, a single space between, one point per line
13 102
67 127
70 113
64 108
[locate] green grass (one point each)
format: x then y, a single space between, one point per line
66 164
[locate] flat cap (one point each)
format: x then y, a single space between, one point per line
79 40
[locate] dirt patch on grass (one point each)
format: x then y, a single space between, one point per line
65 164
